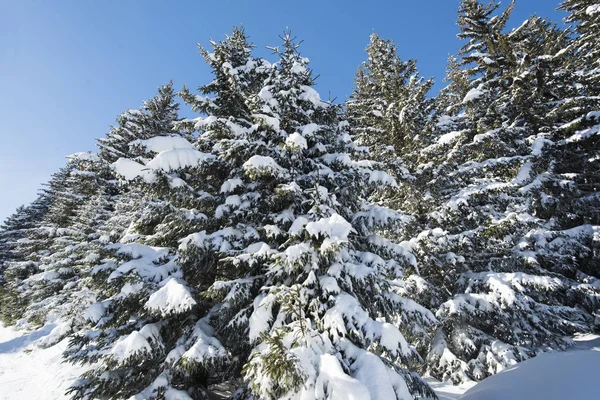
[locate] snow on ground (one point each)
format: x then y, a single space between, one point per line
30 372
448 391
570 375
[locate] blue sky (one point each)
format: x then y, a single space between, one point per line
68 68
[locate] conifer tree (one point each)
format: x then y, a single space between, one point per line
65 233
151 120
15 247
23 273
483 250
585 16
389 103
389 112
571 196
277 293
143 307
289 269
15 228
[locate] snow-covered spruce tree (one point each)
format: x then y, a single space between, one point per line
585 16
275 287
143 307
152 120
23 274
571 195
155 118
302 303
502 296
237 76
68 229
389 103
388 112
15 247
535 84
15 228
560 97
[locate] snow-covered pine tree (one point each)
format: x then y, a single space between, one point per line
67 231
297 301
535 84
16 226
502 296
301 303
571 195
116 143
143 307
139 124
155 118
388 113
15 246
585 16
389 103
24 273
237 75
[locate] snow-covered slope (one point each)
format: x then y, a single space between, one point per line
553 376
29 372
562 375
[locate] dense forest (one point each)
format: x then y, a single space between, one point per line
280 246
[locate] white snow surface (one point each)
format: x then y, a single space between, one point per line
311 95
382 178
335 229
172 298
84 156
175 153
231 184
472 94
552 376
296 141
130 170
448 391
170 160
38 374
338 385
593 9
130 345
262 163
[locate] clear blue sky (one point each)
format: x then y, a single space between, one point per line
68 68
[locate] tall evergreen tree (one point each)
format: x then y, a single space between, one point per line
153 119
143 306
292 280
23 273
65 233
389 115
389 103
276 285
499 286
15 248
585 16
